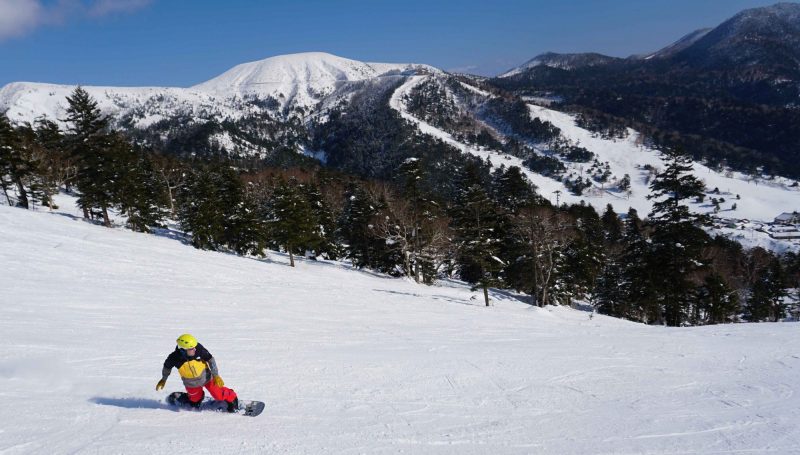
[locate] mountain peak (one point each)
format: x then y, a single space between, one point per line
769 19
314 68
316 71
786 11
753 37
561 61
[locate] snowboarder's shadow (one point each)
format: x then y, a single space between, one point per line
133 403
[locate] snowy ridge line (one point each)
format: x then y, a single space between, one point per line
294 80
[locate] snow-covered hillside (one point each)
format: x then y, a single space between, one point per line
306 86
292 81
745 200
350 362
302 79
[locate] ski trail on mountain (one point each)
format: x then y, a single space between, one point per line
742 198
546 185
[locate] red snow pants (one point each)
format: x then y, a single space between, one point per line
219 393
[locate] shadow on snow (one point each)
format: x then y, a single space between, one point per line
133 403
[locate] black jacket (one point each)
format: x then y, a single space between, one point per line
195 370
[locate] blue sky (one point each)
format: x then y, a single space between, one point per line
184 42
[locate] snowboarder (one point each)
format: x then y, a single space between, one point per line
198 369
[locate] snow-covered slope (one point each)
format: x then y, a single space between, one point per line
762 200
300 79
296 80
348 362
745 198
26 101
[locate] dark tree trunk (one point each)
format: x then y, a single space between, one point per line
106 220
23 195
4 185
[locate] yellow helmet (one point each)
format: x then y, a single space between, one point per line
186 341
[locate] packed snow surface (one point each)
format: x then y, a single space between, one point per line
352 362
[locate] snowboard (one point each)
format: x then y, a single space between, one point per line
246 408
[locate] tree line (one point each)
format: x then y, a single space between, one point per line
489 227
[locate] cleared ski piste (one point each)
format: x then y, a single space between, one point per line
349 362
757 201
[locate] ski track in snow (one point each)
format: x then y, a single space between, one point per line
352 362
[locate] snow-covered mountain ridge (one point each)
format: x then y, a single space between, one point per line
561 61
303 86
318 71
277 84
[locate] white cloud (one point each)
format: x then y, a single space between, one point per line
19 17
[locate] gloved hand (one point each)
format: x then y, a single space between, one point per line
218 381
161 384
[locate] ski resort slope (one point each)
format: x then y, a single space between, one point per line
350 362
748 202
759 199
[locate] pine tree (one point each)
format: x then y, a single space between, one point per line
326 229
247 230
355 227
583 256
609 297
765 302
512 190
199 210
612 226
30 184
55 167
716 302
409 214
292 221
677 239
15 166
475 222
637 292
477 225
91 147
8 142
138 192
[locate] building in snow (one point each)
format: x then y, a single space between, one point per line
788 218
